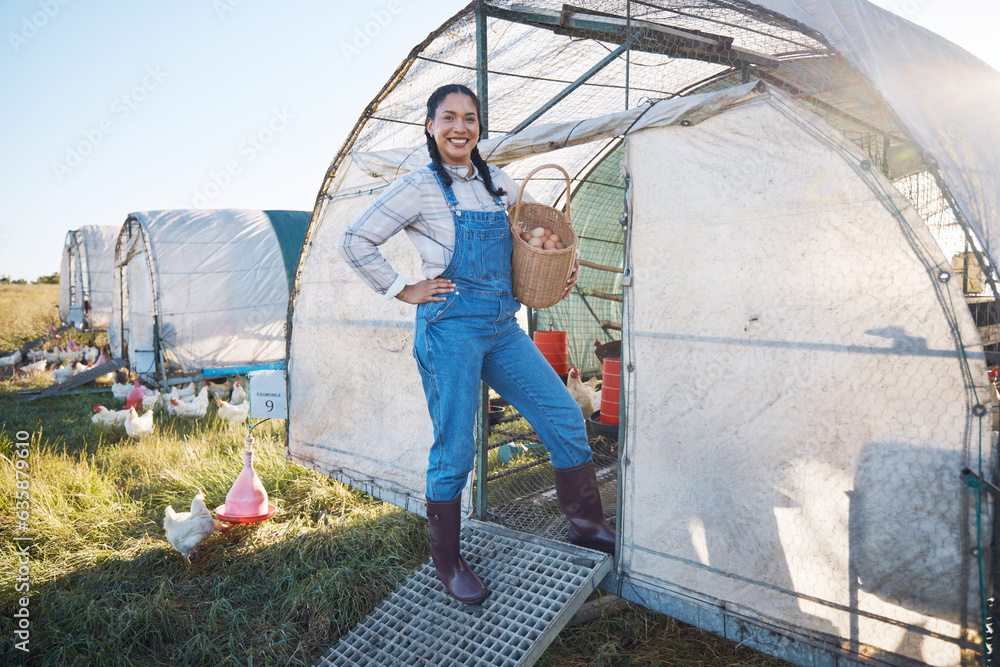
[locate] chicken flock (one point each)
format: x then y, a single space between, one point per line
139 407
188 401
62 363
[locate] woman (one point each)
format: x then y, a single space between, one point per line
454 211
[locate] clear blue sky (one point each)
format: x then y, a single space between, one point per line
161 96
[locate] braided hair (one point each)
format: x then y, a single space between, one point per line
433 102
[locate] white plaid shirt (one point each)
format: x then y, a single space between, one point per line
415 203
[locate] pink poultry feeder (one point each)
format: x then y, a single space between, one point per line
246 501
135 396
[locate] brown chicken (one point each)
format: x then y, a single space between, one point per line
586 394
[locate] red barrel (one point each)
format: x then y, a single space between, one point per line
610 381
552 345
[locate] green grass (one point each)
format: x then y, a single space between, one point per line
107 589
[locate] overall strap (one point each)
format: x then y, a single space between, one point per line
449 196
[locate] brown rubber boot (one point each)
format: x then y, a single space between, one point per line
580 498
444 519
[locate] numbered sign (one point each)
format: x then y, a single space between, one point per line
267 394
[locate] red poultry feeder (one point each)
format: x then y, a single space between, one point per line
246 501
610 380
553 346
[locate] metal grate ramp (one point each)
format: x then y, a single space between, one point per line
75 381
536 585
38 341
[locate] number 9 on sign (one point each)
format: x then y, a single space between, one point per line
267 394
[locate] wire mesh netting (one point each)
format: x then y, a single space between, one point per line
520 485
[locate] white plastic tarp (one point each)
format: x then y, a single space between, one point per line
215 282
800 408
86 275
134 302
947 98
100 245
540 139
68 290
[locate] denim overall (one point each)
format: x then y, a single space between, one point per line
473 335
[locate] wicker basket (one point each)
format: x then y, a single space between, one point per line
539 276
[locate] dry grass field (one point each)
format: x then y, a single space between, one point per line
26 311
107 589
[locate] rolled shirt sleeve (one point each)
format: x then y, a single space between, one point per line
396 287
359 243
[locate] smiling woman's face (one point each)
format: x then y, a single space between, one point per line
455 128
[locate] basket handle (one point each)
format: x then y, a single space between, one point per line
524 184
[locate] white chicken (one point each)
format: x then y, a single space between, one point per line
201 398
188 391
595 401
91 353
168 400
219 389
136 426
196 408
108 418
239 394
151 399
185 530
234 414
70 356
11 360
121 386
583 392
33 367
62 373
